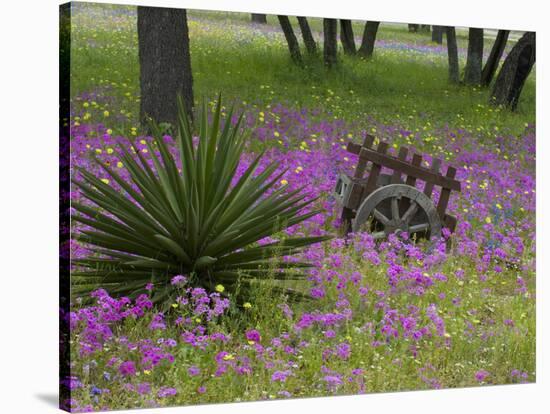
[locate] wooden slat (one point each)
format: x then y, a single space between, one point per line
406 168
445 194
450 222
346 217
428 189
356 190
362 164
416 161
410 180
375 169
355 196
396 177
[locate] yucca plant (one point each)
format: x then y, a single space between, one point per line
199 220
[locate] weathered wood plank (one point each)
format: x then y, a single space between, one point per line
375 169
445 194
450 222
362 163
396 177
416 161
436 164
406 168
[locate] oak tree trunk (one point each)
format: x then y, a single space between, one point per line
330 45
259 18
497 50
309 41
293 46
437 34
369 37
474 60
346 37
452 53
514 72
165 63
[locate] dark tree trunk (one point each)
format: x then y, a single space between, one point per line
472 73
346 37
437 34
514 72
330 45
413 28
452 52
165 63
309 41
497 50
369 37
293 46
259 18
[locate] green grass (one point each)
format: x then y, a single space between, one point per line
395 87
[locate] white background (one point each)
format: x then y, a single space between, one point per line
29 209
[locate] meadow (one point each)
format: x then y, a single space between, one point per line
382 316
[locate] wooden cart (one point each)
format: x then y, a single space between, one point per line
386 203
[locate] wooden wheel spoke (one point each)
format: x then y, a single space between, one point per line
419 227
390 195
380 217
394 208
411 211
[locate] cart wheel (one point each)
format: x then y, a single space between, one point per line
398 207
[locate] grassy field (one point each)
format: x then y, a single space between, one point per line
405 82
383 317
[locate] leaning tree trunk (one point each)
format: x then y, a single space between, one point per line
346 37
497 50
514 72
309 41
165 63
452 53
369 37
330 45
474 60
259 18
437 34
293 46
